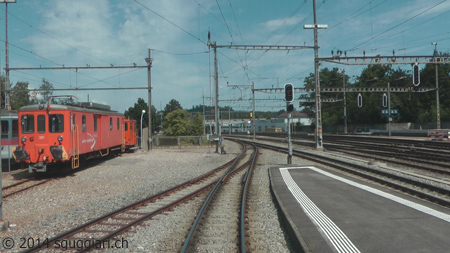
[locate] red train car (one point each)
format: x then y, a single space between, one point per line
64 131
130 134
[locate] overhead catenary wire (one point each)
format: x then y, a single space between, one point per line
397 25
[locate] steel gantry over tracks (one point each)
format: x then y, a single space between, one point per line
339 90
383 60
213 44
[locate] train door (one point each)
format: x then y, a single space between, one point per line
98 129
105 128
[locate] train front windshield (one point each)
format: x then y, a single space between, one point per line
56 123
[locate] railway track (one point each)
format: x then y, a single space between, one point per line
221 223
21 187
421 159
411 186
110 228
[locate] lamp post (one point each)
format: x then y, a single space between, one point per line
142 114
149 83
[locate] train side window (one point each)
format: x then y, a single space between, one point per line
5 129
56 123
110 124
72 122
27 124
83 122
118 124
41 123
95 123
15 128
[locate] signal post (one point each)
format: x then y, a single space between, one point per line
289 98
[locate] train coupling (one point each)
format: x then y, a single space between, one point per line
37 167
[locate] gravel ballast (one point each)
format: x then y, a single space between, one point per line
75 198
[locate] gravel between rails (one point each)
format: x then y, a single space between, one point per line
69 201
154 237
72 200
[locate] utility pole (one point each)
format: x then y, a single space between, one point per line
216 84
7 97
438 113
318 133
253 114
389 109
204 124
149 82
241 47
3 224
345 103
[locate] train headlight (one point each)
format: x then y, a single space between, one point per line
60 139
24 139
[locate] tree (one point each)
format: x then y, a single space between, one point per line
3 85
135 112
20 95
179 123
196 125
172 106
176 123
46 89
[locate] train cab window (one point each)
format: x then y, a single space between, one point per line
95 123
83 122
27 124
5 129
110 124
72 122
56 123
126 126
118 124
41 123
15 128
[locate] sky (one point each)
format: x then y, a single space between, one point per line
101 33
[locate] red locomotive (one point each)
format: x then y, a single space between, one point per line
65 130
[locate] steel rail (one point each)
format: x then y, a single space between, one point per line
346 166
135 206
380 154
23 189
208 199
244 198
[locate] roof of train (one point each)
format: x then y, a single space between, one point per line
5 113
81 108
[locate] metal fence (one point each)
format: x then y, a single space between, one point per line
160 141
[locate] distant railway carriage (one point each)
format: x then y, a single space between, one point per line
130 134
65 131
274 130
10 134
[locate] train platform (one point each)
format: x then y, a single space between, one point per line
327 212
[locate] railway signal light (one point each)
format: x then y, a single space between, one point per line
288 92
385 100
416 75
359 100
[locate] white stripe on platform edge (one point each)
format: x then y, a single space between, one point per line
334 234
294 187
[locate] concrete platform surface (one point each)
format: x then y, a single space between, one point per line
327 212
